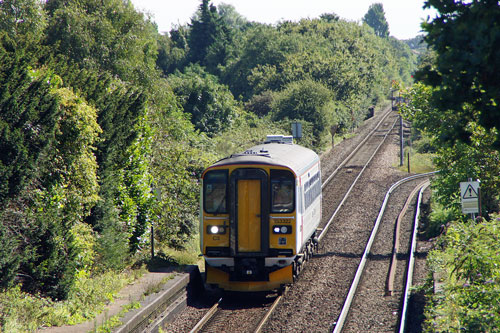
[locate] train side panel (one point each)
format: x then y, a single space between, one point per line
310 207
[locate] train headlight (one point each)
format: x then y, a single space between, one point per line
282 229
216 229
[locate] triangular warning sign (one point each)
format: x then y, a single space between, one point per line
470 193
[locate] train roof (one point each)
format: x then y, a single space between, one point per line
299 159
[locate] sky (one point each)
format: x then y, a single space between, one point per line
404 16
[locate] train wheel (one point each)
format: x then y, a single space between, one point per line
296 271
311 250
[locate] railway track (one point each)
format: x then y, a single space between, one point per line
337 187
353 165
216 318
359 294
347 174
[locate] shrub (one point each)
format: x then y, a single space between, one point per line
469 265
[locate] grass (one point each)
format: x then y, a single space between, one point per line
156 287
20 311
189 256
419 163
110 324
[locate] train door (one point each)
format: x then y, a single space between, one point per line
249 213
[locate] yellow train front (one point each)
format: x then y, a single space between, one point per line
259 214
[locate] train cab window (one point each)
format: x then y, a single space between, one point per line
215 191
282 191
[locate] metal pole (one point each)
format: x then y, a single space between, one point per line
157 193
409 170
401 143
472 215
152 242
479 198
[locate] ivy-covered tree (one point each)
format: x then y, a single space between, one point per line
64 193
107 52
47 170
375 18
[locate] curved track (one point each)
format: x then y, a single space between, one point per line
340 322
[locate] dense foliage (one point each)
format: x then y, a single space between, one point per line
106 125
459 161
454 105
465 73
467 266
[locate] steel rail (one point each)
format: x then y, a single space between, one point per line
325 229
411 262
356 149
270 311
352 290
395 248
209 315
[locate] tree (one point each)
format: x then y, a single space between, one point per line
172 50
456 161
23 20
375 18
210 38
465 36
107 52
305 100
231 17
210 104
179 156
106 35
27 119
330 17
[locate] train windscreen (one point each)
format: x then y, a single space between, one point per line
282 191
215 191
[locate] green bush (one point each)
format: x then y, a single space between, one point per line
9 262
20 311
435 223
308 101
469 266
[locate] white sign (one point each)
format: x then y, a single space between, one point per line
469 194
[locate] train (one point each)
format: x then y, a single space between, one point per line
259 216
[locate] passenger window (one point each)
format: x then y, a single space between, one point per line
282 191
215 191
